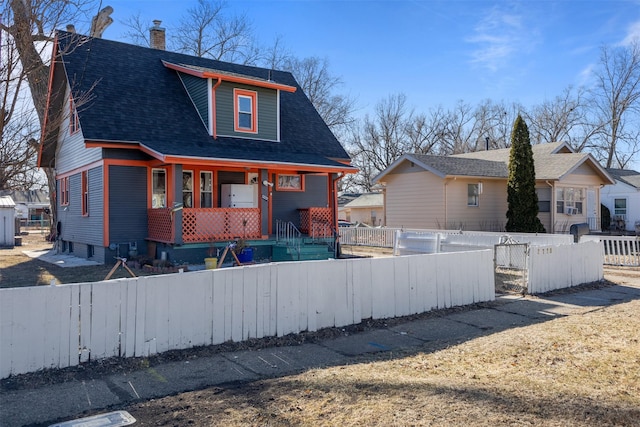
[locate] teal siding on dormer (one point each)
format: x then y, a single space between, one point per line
197 89
267 112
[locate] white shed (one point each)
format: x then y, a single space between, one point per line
7 221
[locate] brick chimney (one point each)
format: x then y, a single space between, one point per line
157 35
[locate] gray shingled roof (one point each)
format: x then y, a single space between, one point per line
367 200
627 176
452 165
135 98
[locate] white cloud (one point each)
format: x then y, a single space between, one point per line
498 36
633 34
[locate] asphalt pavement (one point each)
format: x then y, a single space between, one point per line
49 404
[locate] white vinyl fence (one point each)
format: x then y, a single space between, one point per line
66 325
557 267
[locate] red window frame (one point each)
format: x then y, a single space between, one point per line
242 93
285 183
74 121
85 193
64 191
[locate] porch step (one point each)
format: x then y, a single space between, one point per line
282 252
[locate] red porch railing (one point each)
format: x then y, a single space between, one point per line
316 222
206 225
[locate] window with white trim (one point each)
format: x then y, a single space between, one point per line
187 189
74 121
473 194
245 111
569 200
158 188
620 207
206 190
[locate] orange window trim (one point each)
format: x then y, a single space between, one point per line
237 94
85 192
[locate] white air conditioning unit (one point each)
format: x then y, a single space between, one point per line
570 211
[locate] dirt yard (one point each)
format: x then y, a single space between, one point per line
580 370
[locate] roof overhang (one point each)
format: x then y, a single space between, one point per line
222 162
207 73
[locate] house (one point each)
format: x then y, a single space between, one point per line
469 191
623 199
32 205
166 153
367 209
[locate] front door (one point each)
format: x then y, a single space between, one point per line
592 212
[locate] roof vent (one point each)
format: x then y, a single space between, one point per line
157 35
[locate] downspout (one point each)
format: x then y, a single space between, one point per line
213 107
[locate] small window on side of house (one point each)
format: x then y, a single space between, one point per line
620 207
85 192
74 121
187 189
473 194
206 190
290 182
544 199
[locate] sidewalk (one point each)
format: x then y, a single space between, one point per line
75 399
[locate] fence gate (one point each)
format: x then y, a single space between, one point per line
511 263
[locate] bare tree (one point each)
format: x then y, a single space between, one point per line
616 96
26 29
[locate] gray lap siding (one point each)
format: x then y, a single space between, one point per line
285 204
127 208
83 231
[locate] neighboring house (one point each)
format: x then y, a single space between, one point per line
367 209
623 199
469 191
32 205
169 153
343 200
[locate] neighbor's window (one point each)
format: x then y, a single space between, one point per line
544 199
187 189
620 207
159 188
569 200
74 121
473 194
84 176
246 110
290 182
206 199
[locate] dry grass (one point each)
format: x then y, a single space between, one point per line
17 269
582 370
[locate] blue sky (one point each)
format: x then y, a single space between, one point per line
435 51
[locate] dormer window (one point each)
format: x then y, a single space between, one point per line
245 111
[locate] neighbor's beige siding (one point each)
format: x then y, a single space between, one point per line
364 215
489 215
415 199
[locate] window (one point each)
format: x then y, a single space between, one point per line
620 207
64 191
85 192
290 183
544 199
245 110
473 194
206 199
74 121
187 189
159 188
569 200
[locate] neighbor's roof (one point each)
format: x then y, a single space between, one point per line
136 99
367 200
628 176
33 198
6 202
552 162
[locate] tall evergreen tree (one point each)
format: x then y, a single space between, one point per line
522 212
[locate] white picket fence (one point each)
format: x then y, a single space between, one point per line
66 325
618 250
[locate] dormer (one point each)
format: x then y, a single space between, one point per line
233 105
